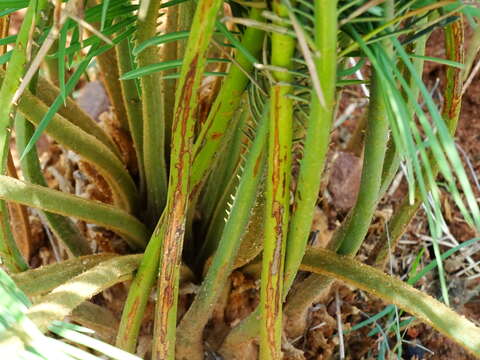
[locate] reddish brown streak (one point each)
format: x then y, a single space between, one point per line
177 205
278 181
131 317
258 164
455 52
276 144
216 135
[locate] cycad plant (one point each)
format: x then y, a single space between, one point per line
213 159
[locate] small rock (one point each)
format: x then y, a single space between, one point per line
93 99
344 180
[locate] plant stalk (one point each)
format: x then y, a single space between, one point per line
75 206
20 223
277 195
228 100
348 238
15 70
317 139
44 279
392 290
139 292
153 119
47 93
87 146
63 228
190 340
454 46
133 106
350 235
168 53
62 300
186 102
138 295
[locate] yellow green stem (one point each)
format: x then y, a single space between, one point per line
186 102
277 195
